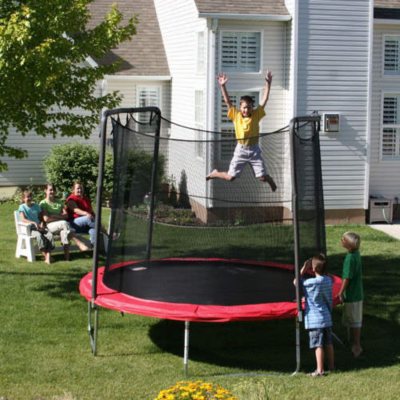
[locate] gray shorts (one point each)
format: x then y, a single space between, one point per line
352 314
320 337
247 154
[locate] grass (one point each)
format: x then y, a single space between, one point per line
45 353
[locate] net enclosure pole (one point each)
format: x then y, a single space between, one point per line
293 126
157 114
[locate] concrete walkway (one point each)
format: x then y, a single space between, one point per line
392 230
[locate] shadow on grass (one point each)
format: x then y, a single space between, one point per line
270 345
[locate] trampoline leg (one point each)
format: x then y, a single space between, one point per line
92 328
298 355
186 350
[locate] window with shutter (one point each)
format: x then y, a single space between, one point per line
240 51
392 55
390 144
228 143
147 97
199 122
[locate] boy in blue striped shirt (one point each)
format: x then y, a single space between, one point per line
318 313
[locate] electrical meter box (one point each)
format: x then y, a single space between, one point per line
331 122
380 210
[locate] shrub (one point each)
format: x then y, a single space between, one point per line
137 179
67 163
197 390
70 162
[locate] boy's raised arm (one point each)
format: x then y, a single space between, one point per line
222 80
268 82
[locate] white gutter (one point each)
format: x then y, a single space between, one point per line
139 77
369 106
212 25
246 17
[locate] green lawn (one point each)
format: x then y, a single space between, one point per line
45 352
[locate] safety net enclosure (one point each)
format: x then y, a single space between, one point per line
185 248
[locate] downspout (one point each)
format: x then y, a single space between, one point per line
369 106
212 25
295 35
299 318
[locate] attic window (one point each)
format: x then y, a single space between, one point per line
391 127
240 51
392 55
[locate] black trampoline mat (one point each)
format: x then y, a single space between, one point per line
205 282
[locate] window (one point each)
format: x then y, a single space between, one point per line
391 127
392 55
240 51
199 122
201 53
227 146
147 97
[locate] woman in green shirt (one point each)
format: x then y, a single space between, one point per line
55 216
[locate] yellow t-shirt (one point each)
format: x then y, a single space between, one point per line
247 129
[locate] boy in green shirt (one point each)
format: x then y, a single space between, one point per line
352 293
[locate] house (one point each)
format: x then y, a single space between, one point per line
340 58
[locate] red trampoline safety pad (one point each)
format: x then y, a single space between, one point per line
111 299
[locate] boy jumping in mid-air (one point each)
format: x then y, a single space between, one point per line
246 121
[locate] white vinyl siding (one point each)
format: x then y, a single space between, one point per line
228 143
332 77
240 51
201 53
179 23
391 127
391 56
199 122
385 158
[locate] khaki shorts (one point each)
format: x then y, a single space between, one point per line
352 314
244 155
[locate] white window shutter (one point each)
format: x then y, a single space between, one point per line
240 51
392 55
391 127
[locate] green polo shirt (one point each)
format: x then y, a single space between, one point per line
53 208
352 270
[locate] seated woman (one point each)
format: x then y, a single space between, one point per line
55 215
31 213
80 211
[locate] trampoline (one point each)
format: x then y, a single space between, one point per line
203 251
199 290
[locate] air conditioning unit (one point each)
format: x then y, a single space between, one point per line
380 210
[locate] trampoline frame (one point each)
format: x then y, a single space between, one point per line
93 309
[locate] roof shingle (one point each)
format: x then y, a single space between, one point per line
264 7
144 54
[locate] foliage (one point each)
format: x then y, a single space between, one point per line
137 175
198 390
37 193
44 75
67 163
71 162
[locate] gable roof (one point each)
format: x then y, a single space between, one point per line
144 54
232 8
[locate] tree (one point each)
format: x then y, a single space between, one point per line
44 75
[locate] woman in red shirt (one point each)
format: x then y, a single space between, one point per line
81 214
